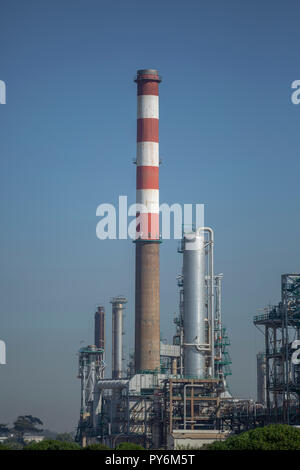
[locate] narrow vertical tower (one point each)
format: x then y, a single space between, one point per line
261 378
195 316
118 305
99 328
147 300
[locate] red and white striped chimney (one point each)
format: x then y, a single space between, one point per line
147 177
147 298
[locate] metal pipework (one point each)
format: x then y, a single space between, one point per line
117 336
261 378
112 384
211 306
174 365
90 369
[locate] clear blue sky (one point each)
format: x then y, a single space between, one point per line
229 138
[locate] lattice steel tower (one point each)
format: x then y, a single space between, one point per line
281 330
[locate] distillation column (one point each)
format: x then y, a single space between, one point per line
100 328
261 378
195 317
147 297
117 336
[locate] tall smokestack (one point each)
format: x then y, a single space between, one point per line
99 328
147 313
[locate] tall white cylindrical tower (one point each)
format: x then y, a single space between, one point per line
195 312
117 336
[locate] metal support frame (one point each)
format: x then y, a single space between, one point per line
190 404
281 327
91 369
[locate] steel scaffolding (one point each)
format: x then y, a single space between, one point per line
281 329
91 369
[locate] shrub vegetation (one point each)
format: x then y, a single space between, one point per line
129 446
52 444
271 437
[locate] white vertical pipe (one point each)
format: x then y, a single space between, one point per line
117 336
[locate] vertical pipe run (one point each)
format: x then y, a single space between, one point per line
147 298
211 298
261 378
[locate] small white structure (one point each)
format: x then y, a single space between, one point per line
33 438
194 439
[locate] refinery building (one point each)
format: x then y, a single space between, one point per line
174 395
